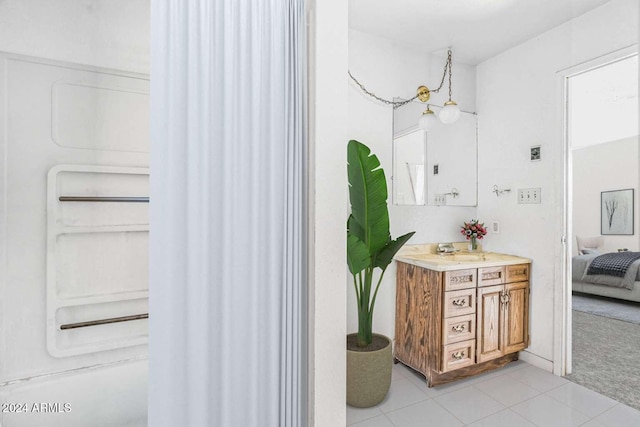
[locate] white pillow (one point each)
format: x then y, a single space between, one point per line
590 251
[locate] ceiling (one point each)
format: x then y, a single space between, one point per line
603 104
475 29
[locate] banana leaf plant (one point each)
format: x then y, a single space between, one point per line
369 243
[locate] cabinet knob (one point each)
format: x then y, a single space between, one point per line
458 355
458 328
459 302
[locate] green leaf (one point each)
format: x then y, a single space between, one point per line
358 256
385 256
354 228
368 195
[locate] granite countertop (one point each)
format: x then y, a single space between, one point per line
425 256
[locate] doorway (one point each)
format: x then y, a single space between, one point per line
601 160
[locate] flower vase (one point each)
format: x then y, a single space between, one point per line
473 244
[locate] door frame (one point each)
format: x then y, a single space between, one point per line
562 353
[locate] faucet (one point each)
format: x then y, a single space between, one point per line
445 248
454 192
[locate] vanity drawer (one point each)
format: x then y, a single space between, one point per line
460 328
458 303
460 279
458 355
491 276
517 273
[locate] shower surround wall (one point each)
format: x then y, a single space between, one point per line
51 147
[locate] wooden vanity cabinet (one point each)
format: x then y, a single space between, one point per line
454 324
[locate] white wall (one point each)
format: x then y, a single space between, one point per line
328 175
389 70
519 105
105 33
604 167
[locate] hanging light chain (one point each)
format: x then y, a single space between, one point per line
449 63
444 73
396 104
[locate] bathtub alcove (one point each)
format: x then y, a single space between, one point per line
74 259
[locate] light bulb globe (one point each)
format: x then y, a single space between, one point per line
425 120
449 113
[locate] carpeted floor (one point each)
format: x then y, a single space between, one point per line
627 311
606 357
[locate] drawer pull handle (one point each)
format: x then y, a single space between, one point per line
458 355
458 328
459 302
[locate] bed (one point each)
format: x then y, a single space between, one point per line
626 287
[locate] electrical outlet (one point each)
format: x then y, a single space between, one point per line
529 195
440 199
495 227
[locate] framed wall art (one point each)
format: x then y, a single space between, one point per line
616 212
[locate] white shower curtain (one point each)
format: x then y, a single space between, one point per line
228 213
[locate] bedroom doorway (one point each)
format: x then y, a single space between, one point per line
601 213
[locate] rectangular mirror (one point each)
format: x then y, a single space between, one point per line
438 167
409 181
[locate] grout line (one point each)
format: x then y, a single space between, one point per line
422 394
576 409
452 414
385 415
495 400
362 420
556 400
539 393
464 423
506 408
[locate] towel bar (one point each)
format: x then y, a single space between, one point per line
103 199
104 321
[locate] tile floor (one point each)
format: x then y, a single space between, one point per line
516 395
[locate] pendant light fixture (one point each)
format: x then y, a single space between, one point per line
449 112
426 119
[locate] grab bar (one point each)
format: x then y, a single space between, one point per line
103 199
104 321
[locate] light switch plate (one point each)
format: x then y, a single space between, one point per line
529 196
440 199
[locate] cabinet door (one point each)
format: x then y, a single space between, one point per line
489 324
516 319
